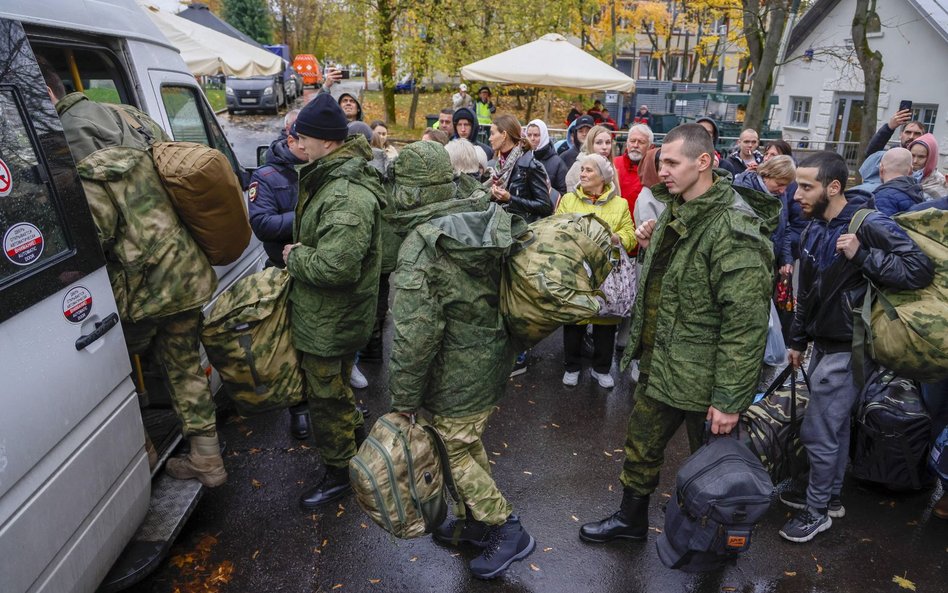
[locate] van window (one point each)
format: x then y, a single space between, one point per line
184 114
31 225
93 71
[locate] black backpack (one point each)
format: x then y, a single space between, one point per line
891 434
723 491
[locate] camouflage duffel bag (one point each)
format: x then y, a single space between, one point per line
552 278
399 476
248 340
770 428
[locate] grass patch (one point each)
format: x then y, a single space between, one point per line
216 98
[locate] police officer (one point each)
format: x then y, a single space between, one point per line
335 264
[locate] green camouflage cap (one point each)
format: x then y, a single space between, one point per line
422 175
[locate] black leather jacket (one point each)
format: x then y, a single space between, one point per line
529 188
831 285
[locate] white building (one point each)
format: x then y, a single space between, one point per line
821 87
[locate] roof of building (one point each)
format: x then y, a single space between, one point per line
199 13
935 12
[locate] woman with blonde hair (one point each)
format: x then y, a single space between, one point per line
596 193
598 141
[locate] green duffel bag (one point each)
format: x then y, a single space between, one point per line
552 278
248 340
770 427
399 476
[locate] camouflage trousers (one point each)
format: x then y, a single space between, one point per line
176 342
651 425
470 467
333 417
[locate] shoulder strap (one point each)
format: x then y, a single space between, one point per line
133 122
858 218
445 464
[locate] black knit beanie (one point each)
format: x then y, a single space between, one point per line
322 118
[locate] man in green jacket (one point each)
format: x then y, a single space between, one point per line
335 264
451 354
700 318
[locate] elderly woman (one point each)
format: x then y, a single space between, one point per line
518 181
773 176
465 158
596 193
539 137
598 141
925 160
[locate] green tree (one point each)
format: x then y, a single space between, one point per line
252 17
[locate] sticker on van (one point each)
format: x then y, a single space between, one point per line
77 304
23 244
6 179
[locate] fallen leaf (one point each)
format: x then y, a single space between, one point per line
575 518
789 574
505 445
666 495
495 453
610 487
531 402
305 447
819 569
291 449
528 473
248 433
547 549
904 583
892 504
534 567
912 523
375 581
413 559
255 554
728 589
325 543
455 555
337 586
340 513
617 450
253 450
865 540
655 529
363 526
607 454
256 483
492 462
554 425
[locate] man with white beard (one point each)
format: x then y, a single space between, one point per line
640 139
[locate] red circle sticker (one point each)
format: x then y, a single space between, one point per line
6 179
23 244
77 304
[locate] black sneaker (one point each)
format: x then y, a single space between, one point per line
805 525
797 500
506 544
469 531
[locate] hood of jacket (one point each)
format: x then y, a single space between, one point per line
280 156
714 126
350 162
905 184
721 195
466 113
358 104
475 241
545 153
608 193
421 175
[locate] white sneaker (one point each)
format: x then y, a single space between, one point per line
357 379
605 379
571 379
634 371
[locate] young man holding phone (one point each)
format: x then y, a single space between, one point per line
911 129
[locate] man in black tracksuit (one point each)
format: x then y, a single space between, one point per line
835 267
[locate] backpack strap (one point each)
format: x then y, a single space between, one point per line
858 218
133 122
445 467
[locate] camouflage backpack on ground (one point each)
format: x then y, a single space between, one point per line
907 330
770 428
248 340
554 275
399 476
155 266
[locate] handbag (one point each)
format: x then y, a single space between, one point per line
619 288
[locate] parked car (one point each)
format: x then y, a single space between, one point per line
257 93
406 85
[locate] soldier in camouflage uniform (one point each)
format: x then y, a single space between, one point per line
700 317
448 330
183 280
335 266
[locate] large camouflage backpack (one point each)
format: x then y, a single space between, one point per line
155 266
907 330
399 476
248 340
770 428
554 275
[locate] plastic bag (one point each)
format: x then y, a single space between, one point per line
776 353
619 288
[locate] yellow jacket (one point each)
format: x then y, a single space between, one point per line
610 207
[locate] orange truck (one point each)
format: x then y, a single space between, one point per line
308 67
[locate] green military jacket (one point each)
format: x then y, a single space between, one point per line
91 126
451 353
713 314
336 269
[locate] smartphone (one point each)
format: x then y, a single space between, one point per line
903 105
344 73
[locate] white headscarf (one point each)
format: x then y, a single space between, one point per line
544 133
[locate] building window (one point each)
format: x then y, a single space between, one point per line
800 111
925 114
648 66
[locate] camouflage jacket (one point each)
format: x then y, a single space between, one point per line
712 316
155 267
336 269
451 353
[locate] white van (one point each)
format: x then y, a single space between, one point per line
76 493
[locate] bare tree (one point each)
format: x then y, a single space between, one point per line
871 63
764 23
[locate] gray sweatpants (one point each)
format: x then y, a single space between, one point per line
826 424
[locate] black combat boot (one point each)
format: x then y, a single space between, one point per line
469 531
299 421
506 544
333 486
629 522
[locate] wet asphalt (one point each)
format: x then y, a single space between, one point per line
556 453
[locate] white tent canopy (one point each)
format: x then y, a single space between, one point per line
207 52
552 62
